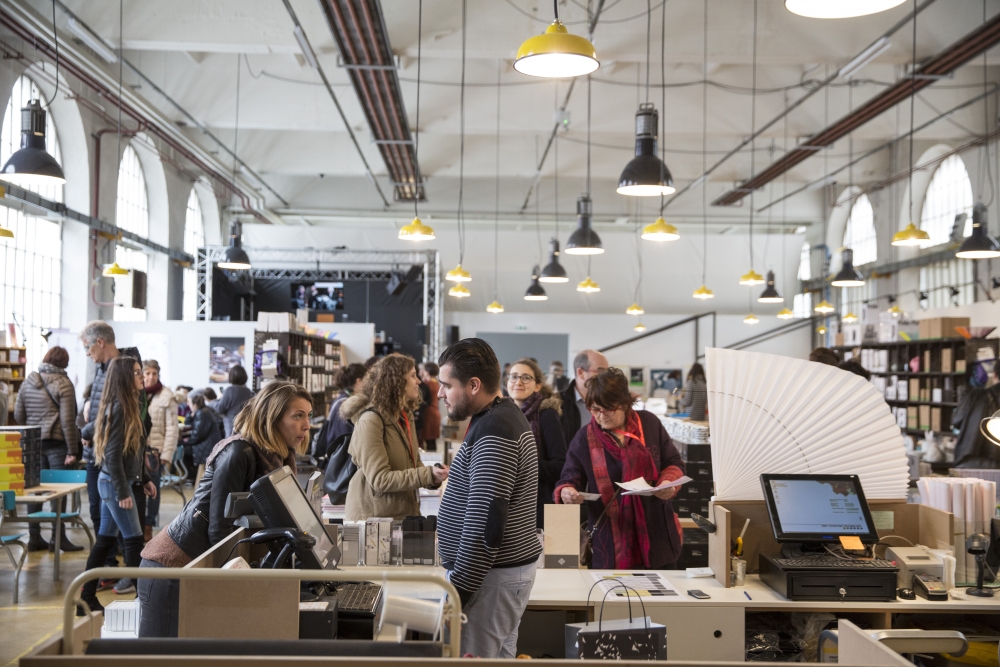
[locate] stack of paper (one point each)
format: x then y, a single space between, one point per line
693 433
973 502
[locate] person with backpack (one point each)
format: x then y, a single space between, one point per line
348 383
206 431
384 445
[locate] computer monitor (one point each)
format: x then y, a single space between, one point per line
281 503
817 508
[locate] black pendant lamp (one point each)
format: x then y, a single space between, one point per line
236 258
32 164
584 240
646 175
848 275
980 245
770 294
535 291
553 271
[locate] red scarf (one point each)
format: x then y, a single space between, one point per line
626 515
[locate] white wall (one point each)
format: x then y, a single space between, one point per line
357 338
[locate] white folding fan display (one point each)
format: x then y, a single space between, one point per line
775 414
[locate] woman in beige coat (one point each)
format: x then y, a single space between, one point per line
385 446
162 436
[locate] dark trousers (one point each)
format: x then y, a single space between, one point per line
159 600
53 458
152 515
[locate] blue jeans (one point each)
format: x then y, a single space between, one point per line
113 517
495 611
158 600
153 504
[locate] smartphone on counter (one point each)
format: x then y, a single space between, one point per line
699 594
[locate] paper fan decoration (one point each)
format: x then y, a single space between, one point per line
774 414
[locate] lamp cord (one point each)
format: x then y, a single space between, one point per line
588 135
663 102
461 150
649 15
496 219
913 83
121 72
753 125
236 128
704 150
556 164
55 39
986 129
416 130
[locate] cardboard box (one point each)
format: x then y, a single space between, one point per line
960 365
924 417
10 440
946 360
11 456
11 473
562 536
914 389
935 419
911 417
942 327
927 361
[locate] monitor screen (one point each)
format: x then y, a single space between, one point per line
327 297
281 503
817 508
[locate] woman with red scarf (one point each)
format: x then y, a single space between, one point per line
542 408
619 445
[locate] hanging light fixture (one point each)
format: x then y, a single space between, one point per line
839 9
895 310
785 314
115 269
703 293
494 307
634 309
416 230
848 276
588 286
556 54
980 245
32 165
553 271
824 307
910 236
640 327
6 233
849 318
661 230
750 319
821 329
751 278
535 291
235 258
584 240
770 294
460 291
646 175
458 274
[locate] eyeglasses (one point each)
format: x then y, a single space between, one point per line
523 379
602 411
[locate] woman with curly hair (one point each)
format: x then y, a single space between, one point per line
384 445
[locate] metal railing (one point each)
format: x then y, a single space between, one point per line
694 318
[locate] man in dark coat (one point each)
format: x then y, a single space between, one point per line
574 407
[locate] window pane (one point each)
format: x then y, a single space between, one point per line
194 238
949 194
131 214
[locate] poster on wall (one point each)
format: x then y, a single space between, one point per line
636 377
224 353
664 381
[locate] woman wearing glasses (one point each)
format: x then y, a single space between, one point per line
619 445
542 408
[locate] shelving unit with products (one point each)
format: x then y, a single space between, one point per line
310 361
922 399
13 370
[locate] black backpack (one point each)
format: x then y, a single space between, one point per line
339 466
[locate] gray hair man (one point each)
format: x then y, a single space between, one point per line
586 364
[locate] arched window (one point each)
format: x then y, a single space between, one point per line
859 235
802 303
131 214
31 261
948 195
194 238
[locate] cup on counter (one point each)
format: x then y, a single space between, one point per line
737 572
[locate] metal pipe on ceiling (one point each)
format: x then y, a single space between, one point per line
971 45
358 27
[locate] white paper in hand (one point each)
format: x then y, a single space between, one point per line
590 496
639 486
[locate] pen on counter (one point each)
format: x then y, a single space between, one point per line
748 596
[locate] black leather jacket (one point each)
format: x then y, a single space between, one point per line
124 469
202 523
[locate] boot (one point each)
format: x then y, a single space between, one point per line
102 547
64 545
133 550
36 543
147 533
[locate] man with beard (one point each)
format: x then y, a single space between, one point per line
486 523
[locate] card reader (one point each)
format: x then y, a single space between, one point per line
929 587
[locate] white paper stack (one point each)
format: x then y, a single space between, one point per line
685 431
775 414
973 502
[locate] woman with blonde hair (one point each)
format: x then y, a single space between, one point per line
384 445
267 433
118 443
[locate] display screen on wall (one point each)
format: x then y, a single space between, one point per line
664 381
224 353
318 296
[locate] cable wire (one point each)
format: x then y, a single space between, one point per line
416 129
461 150
704 150
913 82
753 128
55 40
496 213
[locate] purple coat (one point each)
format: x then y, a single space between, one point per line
665 537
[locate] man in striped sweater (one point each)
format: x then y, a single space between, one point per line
486 523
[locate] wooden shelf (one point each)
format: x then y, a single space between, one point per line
909 402
919 374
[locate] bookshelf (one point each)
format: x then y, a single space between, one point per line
922 399
13 370
309 361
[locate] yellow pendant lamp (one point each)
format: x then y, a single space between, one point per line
750 319
416 231
588 286
458 275
910 236
6 233
824 307
460 291
114 270
849 318
751 278
895 310
634 309
556 54
785 314
660 231
703 293
821 329
494 307
640 327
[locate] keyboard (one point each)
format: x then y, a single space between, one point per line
359 598
831 563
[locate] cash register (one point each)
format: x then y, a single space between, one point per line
809 515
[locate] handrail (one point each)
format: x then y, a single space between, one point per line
647 334
773 333
352 574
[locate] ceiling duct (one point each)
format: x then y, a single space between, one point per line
944 63
358 26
